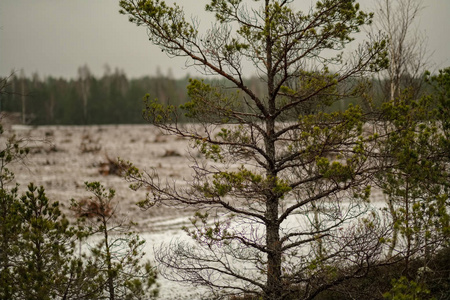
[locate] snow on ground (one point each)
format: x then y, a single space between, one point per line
62 158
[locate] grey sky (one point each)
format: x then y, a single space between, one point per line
55 37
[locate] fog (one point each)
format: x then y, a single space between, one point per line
56 37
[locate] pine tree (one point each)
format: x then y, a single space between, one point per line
116 255
282 193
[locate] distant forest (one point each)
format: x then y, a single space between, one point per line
110 99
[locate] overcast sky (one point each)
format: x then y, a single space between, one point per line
55 37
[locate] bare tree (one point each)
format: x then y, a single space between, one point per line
282 193
407 46
22 85
84 77
408 192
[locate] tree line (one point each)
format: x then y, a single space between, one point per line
110 99
115 99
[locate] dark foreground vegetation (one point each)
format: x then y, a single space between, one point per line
390 282
43 256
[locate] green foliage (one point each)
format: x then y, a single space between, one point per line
38 247
282 182
404 289
416 181
388 282
10 218
160 17
241 182
158 113
46 244
209 103
117 256
441 99
10 228
37 242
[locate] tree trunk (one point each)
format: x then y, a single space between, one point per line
274 284
108 260
393 243
23 97
408 229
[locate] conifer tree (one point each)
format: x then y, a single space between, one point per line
38 247
116 256
282 193
10 222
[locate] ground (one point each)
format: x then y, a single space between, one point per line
62 158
